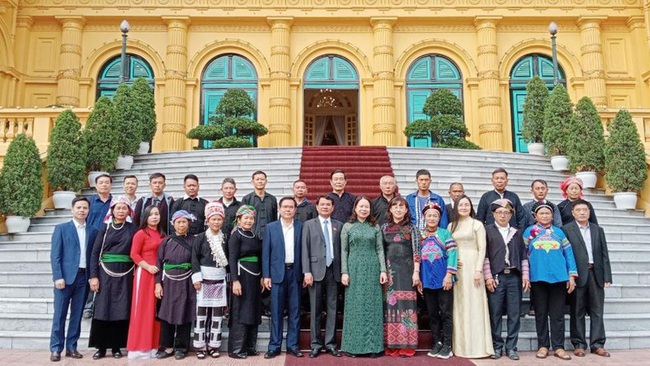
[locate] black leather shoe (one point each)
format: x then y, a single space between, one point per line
101 353
294 352
55 356
333 352
117 353
162 354
252 352
241 356
271 354
179 355
74 354
314 353
512 354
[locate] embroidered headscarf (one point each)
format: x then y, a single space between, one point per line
567 182
182 213
245 210
115 201
539 205
432 205
214 208
502 202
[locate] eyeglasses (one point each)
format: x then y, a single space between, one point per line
503 213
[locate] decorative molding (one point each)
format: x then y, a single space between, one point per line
440 28
230 28
332 28
565 27
113 27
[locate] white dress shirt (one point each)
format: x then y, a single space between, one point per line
287 231
81 233
329 227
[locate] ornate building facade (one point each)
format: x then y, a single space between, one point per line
346 72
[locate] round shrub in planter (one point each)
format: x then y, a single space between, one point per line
21 187
144 106
625 160
586 149
533 118
130 132
557 117
66 163
100 138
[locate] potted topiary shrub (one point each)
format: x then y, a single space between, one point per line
21 187
445 126
65 159
100 140
557 116
625 161
145 110
533 118
586 149
126 124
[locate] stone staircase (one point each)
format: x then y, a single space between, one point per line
26 300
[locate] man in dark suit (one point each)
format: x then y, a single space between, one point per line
321 265
70 256
594 274
282 273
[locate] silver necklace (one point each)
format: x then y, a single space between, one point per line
117 229
241 232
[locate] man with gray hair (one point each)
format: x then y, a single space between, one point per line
379 206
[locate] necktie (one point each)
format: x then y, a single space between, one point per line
328 244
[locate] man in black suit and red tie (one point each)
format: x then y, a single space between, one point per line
594 274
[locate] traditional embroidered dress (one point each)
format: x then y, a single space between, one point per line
178 305
209 264
111 263
402 249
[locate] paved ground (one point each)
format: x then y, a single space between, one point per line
26 357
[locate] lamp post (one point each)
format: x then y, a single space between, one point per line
552 28
124 27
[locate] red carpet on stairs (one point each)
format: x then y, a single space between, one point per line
363 166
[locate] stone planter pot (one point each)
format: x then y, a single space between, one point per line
560 162
63 199
92 175
625 200
588 179
536 148
144 148
124 162
17 224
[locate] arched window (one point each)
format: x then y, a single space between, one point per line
110 74
524 70
333 72
427 74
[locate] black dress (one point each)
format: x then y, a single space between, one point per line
244 253
178 304
110 324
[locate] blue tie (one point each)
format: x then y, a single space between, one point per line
328 244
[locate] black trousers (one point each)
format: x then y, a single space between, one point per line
506 299
329 287
588 299
242 338
175 336
549 300
440 306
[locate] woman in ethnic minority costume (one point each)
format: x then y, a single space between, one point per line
174 288
244 253
111 278
144 330
402 248
209 262
572 190
363 271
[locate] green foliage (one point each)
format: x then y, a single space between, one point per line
445 124
534 104
65 154
100 138
246 126
557 119
625 160
126 121
586 139
236 103
21 187
209 132
231 142
145 108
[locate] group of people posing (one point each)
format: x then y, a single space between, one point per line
159 269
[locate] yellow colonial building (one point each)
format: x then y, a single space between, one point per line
346 72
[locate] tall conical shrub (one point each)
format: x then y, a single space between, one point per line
586 141
625 160
145 108
21 187
126 121
534 105
65 154
101 138
557 117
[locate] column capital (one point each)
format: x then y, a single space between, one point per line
176 21
280 21
635 22
585 21
390 21
77 20
24 21
485 21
